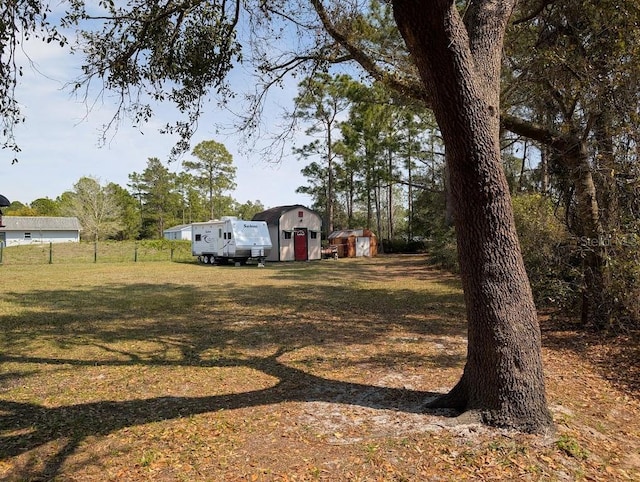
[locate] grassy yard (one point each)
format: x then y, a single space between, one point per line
298 371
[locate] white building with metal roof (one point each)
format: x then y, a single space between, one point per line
180 232
35 229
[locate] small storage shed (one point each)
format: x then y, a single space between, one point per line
180 232
354 243
295 231
34 229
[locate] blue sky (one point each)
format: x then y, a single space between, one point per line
60 140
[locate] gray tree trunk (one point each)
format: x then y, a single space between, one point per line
459 63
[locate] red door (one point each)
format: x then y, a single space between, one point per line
300 244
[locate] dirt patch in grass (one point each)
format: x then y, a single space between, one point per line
299 371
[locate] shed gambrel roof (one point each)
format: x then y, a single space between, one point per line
37 223
272 215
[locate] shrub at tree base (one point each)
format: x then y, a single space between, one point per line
553 259
442 249
624 288
548 253
403 246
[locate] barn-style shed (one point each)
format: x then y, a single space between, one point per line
295 232
354 243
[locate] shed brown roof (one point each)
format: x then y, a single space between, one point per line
272 215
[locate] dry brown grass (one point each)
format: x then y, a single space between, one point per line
299 371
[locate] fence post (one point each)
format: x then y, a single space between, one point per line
50 252
95 251
135 253
171 253
1 250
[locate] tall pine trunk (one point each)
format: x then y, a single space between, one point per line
459 63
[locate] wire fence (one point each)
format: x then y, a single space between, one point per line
96 252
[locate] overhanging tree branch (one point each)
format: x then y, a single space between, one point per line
410 87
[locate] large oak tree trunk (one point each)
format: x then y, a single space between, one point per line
459 63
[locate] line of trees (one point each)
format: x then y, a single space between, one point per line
377 160
154 199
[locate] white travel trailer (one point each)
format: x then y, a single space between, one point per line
230 239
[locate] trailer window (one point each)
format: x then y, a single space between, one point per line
228 235
219 232
27 235
198 237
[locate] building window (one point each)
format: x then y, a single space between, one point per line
198 237
313 234
300 214
287 234
27 235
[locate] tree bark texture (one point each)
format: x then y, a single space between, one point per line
572 151
459 62
596 307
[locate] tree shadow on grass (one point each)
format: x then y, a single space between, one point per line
27 426
196 319
217 325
